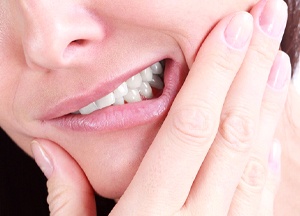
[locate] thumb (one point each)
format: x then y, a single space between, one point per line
69 191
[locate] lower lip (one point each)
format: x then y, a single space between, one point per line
129 115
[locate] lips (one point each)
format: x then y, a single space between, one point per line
113 118
139 87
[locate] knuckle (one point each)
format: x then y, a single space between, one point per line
272 107
237 131
254 176
193 125
222 62
262 54
57 198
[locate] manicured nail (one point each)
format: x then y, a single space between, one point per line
280 71
275 157
239 30
42 159
273 17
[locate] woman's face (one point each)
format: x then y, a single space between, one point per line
57 57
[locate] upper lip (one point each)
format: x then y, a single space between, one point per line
75 102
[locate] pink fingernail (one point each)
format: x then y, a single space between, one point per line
280 71
273 17
275 157
42 159
239 30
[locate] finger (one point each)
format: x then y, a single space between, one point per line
69 192
229 154
248 195
266 207
256 191
272 105
173 160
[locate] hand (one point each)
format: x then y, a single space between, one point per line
210 155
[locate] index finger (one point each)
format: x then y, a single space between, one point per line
181 145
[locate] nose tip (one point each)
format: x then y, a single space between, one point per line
61 41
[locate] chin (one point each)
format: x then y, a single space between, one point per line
111 161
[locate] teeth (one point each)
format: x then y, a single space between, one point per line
119 101
135 81
157 68
88 109
106 101
146 90
121 91
133 95
133 90
156 82
147 75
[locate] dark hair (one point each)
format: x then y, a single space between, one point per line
291 39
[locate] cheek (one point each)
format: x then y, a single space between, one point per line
8 85
185 21
12 113
188 22
11 67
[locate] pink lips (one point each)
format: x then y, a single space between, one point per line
125 116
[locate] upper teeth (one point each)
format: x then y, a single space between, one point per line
132 90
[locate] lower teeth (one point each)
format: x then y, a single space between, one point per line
135 89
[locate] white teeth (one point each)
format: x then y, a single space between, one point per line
106 101
119 101
133 90
147 75
156 82
121 91
88 109
157 68
133 95
146 90
135 81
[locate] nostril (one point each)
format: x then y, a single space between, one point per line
77 42
73 47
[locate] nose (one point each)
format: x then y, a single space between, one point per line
59 35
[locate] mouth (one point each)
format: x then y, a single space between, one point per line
145 85
143 98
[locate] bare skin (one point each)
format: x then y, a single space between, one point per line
287 200
173 151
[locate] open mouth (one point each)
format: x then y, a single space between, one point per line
145 85
143 98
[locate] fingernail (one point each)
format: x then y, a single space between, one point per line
275 157
239 30
280 71
273 17
42 159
